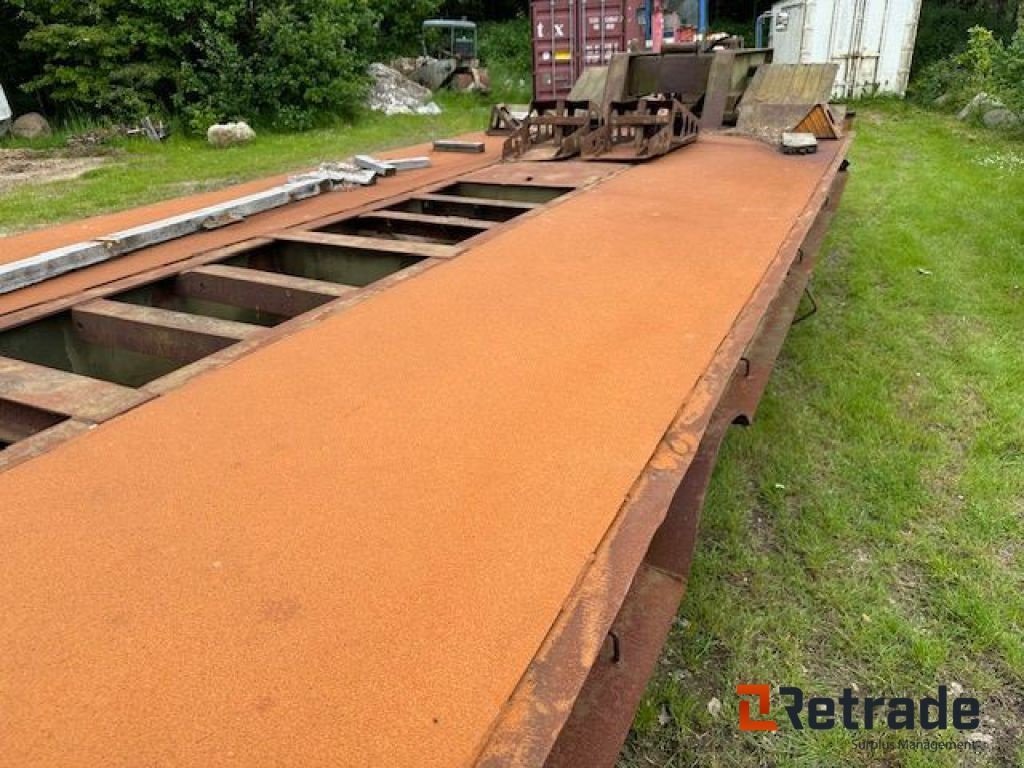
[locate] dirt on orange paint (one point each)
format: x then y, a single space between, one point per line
346 548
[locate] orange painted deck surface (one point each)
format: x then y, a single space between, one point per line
345 549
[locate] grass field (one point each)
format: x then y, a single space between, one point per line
867 531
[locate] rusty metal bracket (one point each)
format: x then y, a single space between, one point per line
616 647
812 311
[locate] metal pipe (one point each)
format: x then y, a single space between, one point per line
759 25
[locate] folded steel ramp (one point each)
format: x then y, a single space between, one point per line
781 95
373 486
553 130
641 129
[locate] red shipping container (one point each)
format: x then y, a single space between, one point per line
571 35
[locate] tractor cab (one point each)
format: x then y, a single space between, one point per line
450 57
451 39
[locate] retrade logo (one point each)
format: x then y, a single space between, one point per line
764 707
819 713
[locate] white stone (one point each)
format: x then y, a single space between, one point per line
228 134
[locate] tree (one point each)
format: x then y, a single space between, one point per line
277 61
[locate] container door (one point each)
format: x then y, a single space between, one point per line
877 15
553 55
603 31
788 33
571 35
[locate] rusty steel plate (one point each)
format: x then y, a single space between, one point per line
397 535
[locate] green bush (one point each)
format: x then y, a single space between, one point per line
941 29
1009 74
985 65
285 63
400 24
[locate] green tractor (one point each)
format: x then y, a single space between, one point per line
450 57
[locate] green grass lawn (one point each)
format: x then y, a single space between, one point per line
867 531
140 171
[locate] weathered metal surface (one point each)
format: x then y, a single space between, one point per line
465 147
780 95
57 391
410 163
476 208
18 422
67 259
603 712
728 79
258 280
43 266
417 436
425 250
157 332
545 696
590 86
683 75
278 294
380 167
428 219
553 130
447 230
506 119
640 130
50 264
554 179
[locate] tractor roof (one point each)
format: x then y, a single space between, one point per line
448 24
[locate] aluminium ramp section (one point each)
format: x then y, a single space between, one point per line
347 547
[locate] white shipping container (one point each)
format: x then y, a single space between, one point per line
872 41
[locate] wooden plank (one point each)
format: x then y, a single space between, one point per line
255 289
158 332
425 250
438 198
432 219
66 393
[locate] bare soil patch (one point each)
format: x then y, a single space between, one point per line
33 166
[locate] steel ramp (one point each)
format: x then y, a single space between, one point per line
641 129
553 130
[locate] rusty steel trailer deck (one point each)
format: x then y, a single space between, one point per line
403 476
